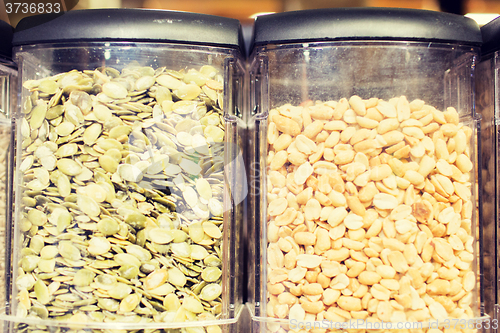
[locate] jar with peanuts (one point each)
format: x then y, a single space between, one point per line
129 149
363 155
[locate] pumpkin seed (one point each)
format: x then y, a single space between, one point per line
211 291
211 274
114 90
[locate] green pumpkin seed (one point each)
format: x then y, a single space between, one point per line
37 217
49 252
88 205
119 291
168 81
54 112
139 252
196 232
198 252
48 86
212 261
128 271
160 236
69 251
211 291
130 302
82 100
108 226
211 230
144 82
107 144
92 133
69 167
114 90
127 259
192 304
47 265
37 116
108 304
108 163
119 131
187 91
42 292
99 246
83 277
29 263
130 173
181 249
176 277
66 150
211 274
195 77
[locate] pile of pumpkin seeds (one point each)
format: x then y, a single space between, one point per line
122 186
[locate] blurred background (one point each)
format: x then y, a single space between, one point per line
245 10
482 11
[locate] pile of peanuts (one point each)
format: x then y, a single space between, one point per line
369 212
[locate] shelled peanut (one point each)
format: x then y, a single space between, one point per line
369 212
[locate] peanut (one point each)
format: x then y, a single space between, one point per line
286 125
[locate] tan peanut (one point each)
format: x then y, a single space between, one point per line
286 125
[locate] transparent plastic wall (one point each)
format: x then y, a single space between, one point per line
239 323
363 184
128 206
485 107
8 84
6 161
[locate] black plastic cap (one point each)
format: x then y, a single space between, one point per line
365 24
134 25
6 32
491 37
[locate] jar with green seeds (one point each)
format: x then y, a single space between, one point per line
122 211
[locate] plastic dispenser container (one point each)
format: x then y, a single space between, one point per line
363 183
128 143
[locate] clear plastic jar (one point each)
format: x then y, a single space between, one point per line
362 158
128 126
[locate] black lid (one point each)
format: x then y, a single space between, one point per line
491 37
129 25
6 40
366 24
